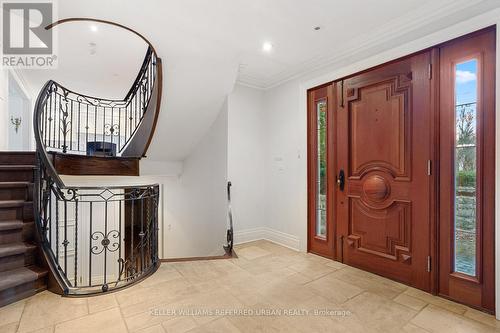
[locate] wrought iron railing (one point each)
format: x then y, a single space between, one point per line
75 123
98 238
95 239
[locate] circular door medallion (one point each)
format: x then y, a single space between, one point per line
376 188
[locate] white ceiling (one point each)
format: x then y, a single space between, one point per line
107 72
208 45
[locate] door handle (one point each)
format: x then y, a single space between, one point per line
341 180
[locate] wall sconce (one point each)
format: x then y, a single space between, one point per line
16 122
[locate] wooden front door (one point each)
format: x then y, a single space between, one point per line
384 151
467 170
402 170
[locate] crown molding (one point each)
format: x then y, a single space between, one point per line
421 18
256 84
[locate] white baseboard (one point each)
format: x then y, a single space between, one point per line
272 235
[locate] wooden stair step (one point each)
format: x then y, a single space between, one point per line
17 157
16 167
28 232
41 273
14 231
16 210
13 203
16 191
16 277
14 184
20 283
12 249
15 172
11 225
16 255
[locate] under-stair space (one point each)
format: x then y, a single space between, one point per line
21 274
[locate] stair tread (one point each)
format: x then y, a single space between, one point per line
14 184
17 167
39 271
16 277
14 248
11 225
13 203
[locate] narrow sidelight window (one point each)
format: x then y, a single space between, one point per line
321 108
466 221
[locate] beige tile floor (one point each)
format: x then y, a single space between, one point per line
264 281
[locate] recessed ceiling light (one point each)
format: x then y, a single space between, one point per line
267 47
93 28
317 28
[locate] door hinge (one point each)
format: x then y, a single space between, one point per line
428 263
341 239
342 93
429 167
430 72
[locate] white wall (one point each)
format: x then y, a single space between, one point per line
195 209
22 101
286 161
259 167
246 150
4 121
19 107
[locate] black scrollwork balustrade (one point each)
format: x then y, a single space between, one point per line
69 121
95 239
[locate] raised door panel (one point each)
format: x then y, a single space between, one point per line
385 232
376 109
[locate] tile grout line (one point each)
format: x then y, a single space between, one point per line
21 316
419 312
121 314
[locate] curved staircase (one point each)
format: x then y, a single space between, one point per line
96 238
79 240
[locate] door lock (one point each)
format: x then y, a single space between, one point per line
341 180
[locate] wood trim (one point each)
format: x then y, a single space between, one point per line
434 181
89 19
159 79
80 165
143 135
